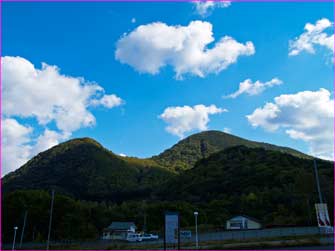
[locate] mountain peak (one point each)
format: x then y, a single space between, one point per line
84 140
188 151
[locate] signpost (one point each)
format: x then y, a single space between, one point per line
323 218
171 229
322 215
321 209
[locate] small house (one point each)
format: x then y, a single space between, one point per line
118 230
242 222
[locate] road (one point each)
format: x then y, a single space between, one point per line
328 247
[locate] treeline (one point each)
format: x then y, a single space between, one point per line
85 220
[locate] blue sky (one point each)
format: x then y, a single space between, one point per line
81 40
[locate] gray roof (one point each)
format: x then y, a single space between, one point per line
245 216
120 225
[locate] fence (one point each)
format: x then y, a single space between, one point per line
255 234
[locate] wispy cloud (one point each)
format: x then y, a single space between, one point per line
319 34
256 88
205 8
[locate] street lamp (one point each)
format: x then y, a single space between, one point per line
15 229
196 230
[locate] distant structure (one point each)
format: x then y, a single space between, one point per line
118 230
242 222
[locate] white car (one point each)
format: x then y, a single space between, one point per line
154 236
149 237
133 237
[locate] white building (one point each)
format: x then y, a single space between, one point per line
118 230
242 222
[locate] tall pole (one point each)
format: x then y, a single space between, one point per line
196 230
144 217
50 220
23 227
317 181
13 247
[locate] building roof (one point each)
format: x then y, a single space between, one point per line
245 216
121 225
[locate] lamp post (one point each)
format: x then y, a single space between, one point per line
196 230
15 229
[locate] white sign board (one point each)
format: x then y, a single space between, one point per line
322 215
171 227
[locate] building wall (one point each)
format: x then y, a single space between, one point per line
253 225
241 222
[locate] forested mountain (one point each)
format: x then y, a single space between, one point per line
275 187
84 169
94 186
185 153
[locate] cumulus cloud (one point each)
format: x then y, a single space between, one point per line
319 34
108 101
47 140
49 97
182 119
306 116
251 89
151 47
205 8
15 148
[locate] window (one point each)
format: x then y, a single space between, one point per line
236 224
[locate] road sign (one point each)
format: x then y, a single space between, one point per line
171 227
186 234
322 215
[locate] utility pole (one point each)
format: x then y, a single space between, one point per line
50 220
23 227
317 181
144 216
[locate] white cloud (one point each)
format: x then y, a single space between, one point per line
227 130
47 96
205 8
47 140
314 35
307 115
15 147
182 119
133 20
108 101
151 47
123 155
250 88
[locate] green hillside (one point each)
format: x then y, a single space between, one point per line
95 187
185 153
84 169
277 188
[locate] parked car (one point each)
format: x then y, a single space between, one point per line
154 236
133 237
149 237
